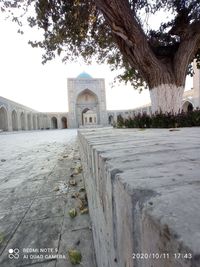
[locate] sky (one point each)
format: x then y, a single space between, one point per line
24 79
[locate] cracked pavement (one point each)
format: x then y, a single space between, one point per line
35 198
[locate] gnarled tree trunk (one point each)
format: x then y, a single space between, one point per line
166 98
164 74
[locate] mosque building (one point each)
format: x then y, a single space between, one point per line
87 107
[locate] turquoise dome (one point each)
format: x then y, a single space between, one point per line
84 75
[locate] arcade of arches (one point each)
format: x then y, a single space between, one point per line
14 117
87 107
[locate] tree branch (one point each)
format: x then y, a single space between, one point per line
124 25
186 52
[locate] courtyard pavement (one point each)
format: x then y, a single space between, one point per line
35 199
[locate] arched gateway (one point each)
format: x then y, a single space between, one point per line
64 122
187 106
87 101
87 108
54 123
3 119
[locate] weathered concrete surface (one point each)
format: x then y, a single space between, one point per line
144 195
35 197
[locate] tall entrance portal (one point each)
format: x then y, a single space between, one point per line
87 101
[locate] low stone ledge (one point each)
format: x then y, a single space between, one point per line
144 195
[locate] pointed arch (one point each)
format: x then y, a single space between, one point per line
87 97
54 123
14 121
38 122
23 121
87 100
64 122
111 119
85 110
187 106
3 119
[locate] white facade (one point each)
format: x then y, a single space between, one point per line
86 96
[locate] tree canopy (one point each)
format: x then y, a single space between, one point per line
119 33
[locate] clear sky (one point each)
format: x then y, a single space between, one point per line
44 87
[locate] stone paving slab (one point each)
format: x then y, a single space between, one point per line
44 233
46 207
48 263
80 240
14 203
35 199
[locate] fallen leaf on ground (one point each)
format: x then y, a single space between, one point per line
82 203
72 213
56 188
75 195
77 170
82 189
72 182
85 211
75 256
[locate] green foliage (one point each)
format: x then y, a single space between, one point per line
139 121
75 256
120 121
73 213
162 120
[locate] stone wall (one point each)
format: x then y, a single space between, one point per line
14 117
144 196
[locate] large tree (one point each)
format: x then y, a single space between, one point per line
117 32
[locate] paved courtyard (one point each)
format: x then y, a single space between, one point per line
35 198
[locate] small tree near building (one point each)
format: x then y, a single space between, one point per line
117 32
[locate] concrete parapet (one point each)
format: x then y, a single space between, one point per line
144 195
